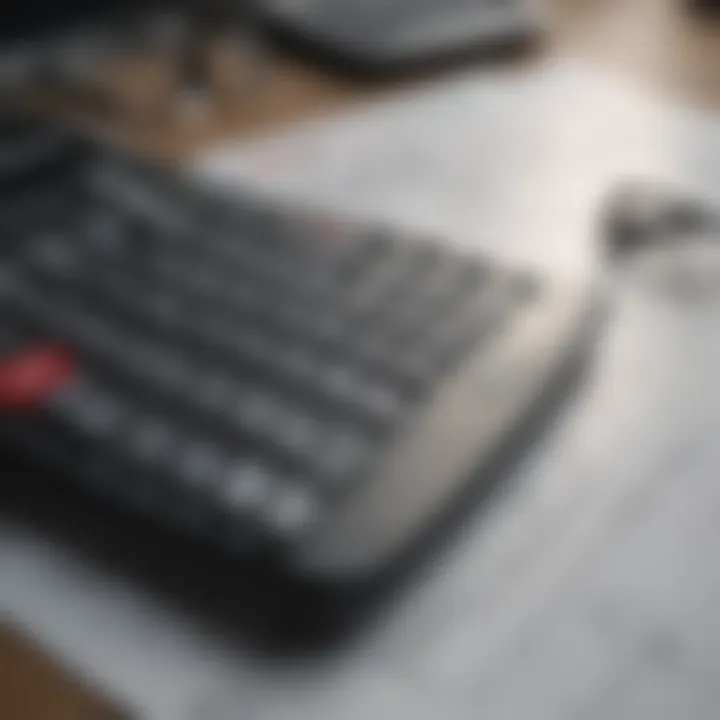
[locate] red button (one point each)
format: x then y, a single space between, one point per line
30 378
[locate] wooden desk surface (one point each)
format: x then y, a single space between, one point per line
649 39
655 41
33 687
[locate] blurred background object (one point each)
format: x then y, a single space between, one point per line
135 68
390 36
68 53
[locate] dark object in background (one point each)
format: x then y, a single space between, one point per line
33 687
27 21
643 216
665 239
704 7
56 48
385 36
276 384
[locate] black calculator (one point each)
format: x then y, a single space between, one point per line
268 380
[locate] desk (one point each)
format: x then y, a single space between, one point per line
652 40
600 627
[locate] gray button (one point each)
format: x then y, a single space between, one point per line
83 408
247 487
87 329
216 391
383 403
163 309
255 348
342 381
152 440
105 231
53 254
292 510
300 433
258 411
201 464
154 364
204 278
176 372
342 454
297 363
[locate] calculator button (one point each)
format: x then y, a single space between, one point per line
29 378
246 487
201 464
292 510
